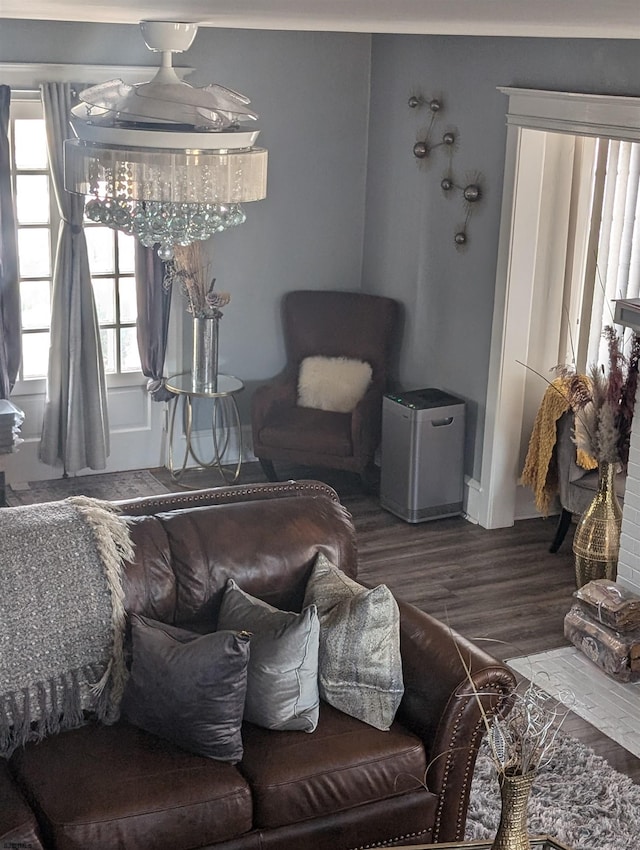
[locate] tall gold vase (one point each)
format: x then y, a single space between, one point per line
512 832
596 542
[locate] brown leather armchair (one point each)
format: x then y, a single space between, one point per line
331 324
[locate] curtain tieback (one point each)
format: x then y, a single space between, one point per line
75 228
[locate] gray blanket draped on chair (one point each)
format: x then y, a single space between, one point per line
61 617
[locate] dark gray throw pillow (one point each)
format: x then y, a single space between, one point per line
188 688
360 668
282 688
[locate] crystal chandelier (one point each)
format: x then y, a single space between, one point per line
164 161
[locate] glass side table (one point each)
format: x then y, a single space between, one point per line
538 842
225 416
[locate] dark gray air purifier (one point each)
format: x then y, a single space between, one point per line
422 454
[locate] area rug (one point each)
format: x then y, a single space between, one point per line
568 675
108 486
578 798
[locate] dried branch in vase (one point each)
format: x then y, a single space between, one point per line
190 269
524 739
604 406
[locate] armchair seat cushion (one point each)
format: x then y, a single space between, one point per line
307 429
343 764
103 787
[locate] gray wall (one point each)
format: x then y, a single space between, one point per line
311 91
335 119
410 223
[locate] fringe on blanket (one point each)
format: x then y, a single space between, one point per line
114 546
60 702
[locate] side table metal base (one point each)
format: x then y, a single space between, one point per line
225 417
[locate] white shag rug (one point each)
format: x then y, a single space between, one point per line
578 798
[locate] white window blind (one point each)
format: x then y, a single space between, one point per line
617 272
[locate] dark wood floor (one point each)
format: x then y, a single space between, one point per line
502 585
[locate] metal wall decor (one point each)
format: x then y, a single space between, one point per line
471 191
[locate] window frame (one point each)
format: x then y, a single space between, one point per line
28 104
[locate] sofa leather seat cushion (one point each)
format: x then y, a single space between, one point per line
343 764
18 825
102 787
306 429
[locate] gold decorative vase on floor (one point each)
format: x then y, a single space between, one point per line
596 542
512 832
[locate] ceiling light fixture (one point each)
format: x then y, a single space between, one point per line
163 160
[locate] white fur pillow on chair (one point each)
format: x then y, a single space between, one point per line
332 383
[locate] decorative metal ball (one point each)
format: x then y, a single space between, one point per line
446 184
415 101
460 238
448 139
471 193
420 150
435 105
165 252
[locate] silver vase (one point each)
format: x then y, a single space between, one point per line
204 370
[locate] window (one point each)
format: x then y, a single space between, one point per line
607 255
111 257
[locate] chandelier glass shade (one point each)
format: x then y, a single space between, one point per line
164 161
165 196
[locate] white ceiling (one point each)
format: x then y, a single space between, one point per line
555 18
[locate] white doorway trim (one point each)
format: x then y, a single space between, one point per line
521 254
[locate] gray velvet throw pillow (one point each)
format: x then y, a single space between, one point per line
188 688
282 687
360 668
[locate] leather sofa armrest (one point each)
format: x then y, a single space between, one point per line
452 688
18 825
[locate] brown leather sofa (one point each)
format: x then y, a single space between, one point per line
345 785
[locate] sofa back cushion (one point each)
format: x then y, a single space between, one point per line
268 548
149 580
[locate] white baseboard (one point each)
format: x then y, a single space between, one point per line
471 499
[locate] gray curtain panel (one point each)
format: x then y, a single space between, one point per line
75 430
154 309
10 339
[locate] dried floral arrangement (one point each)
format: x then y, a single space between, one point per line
190 269
603 406
523 733
523 740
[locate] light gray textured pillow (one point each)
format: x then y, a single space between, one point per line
282 682
360 669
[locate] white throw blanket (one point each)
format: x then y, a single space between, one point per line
61 617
